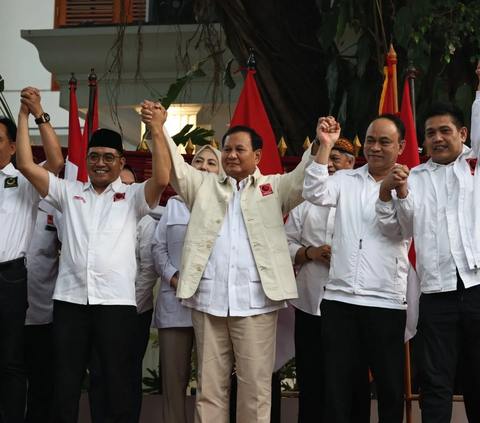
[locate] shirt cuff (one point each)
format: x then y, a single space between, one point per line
405 203
385 206
321 169
168 274
293 248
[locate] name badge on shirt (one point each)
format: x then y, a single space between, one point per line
118 196
11 182
266 189
50 226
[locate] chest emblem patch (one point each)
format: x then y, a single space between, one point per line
266 189
11 182
472 163
118 196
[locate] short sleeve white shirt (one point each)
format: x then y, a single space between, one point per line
18 211
97 264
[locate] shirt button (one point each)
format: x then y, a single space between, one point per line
219 220
199 268
209 245
225 197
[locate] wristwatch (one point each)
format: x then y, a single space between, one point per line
316 141
44 118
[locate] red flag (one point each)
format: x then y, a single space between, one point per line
250 112
94 122
410 156
75 168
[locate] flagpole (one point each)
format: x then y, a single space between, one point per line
251 62
393 58
412 73
92 83
73 81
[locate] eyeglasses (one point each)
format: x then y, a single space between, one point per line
108 158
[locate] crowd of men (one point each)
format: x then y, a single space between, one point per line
228 264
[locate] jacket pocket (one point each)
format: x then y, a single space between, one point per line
271 212
257 294
285 271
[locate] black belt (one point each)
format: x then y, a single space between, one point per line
13 264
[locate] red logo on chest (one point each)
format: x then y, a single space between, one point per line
50 219
472 163
266 189
76 197
118 196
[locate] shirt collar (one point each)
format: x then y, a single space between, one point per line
115 185
253 177
431 165
9 169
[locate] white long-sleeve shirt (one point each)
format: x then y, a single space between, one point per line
146 274
368 266
230 284
42 266
309 225
167 246
439 213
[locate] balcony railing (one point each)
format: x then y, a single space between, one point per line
98 12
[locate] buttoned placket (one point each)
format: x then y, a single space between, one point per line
99 200
234 241
451 211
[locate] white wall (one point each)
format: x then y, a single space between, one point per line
20 65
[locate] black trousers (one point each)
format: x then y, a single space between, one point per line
111 330
95 393
311 374
352 333
13 308
449 332
40 372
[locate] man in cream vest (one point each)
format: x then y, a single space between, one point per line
236 271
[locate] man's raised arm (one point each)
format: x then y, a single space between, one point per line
318 188
36 175
161 162
475 128
54 159
185 179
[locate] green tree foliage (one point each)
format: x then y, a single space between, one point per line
441 38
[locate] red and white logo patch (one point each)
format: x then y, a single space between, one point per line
118 196
266 189
77 197
49 219
473 164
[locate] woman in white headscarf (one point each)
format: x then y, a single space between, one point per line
173 320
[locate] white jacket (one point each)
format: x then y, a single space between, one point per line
475 164
417 214
365 261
